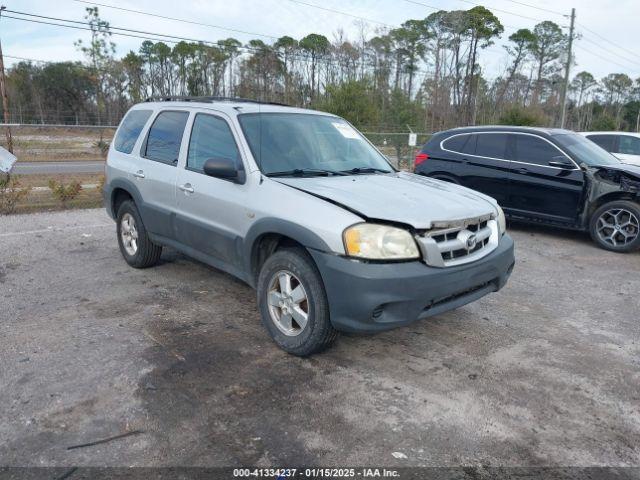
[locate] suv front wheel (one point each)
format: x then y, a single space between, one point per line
135 246
616 226
293 303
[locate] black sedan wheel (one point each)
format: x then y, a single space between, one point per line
616 226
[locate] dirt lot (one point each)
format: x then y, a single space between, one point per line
545 372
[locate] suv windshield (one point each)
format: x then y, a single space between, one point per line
584 150
294 143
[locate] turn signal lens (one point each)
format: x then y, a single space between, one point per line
352 241
502 221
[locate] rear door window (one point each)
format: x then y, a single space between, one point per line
532 149
165 137
605 141
211 137
492 145
629 145
130 129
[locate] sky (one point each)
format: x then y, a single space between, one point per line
608 42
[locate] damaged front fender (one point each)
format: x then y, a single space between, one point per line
619 181
607 179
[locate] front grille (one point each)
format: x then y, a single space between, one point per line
464 242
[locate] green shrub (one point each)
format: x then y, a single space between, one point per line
521 116
103 146
63 192
604 123
11 192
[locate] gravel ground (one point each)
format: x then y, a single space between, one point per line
545 372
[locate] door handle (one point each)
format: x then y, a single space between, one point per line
139 174
522 171
187 188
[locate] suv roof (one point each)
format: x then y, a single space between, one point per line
609 132
511 128
226 104
208 99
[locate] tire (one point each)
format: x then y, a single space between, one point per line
317 333
143 253
624 234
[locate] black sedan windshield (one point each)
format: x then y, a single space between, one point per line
584 150
294 142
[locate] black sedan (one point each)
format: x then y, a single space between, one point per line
541 175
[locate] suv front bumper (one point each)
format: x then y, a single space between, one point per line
372 297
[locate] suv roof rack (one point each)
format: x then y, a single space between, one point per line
188 98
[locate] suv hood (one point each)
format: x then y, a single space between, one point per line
631 170
398 197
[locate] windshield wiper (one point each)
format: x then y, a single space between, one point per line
304 172
366 170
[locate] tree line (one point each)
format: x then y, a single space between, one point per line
426 75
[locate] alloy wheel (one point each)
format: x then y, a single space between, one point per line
129 234
618 227
288 303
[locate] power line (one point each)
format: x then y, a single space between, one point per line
86 29
440 9
601 57
166 17
110 27
138 33
145 35
342 13
538 8
609 41
507 12
537 19
635 62
28 59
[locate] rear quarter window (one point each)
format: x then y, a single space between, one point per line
457 143
130 129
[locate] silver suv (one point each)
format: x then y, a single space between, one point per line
302 207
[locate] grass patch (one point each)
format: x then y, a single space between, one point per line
43 201
40 197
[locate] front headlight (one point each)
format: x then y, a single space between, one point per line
379 242
502 221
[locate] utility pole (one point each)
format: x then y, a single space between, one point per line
5 99
566 69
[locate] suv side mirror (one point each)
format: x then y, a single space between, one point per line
561 162
224 168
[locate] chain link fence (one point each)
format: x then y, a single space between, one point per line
396 147
58 167
62 166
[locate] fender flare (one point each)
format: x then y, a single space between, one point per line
278 226
123 184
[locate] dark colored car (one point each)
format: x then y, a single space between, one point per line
539 175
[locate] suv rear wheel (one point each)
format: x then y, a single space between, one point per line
293 303
616 226
135 246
